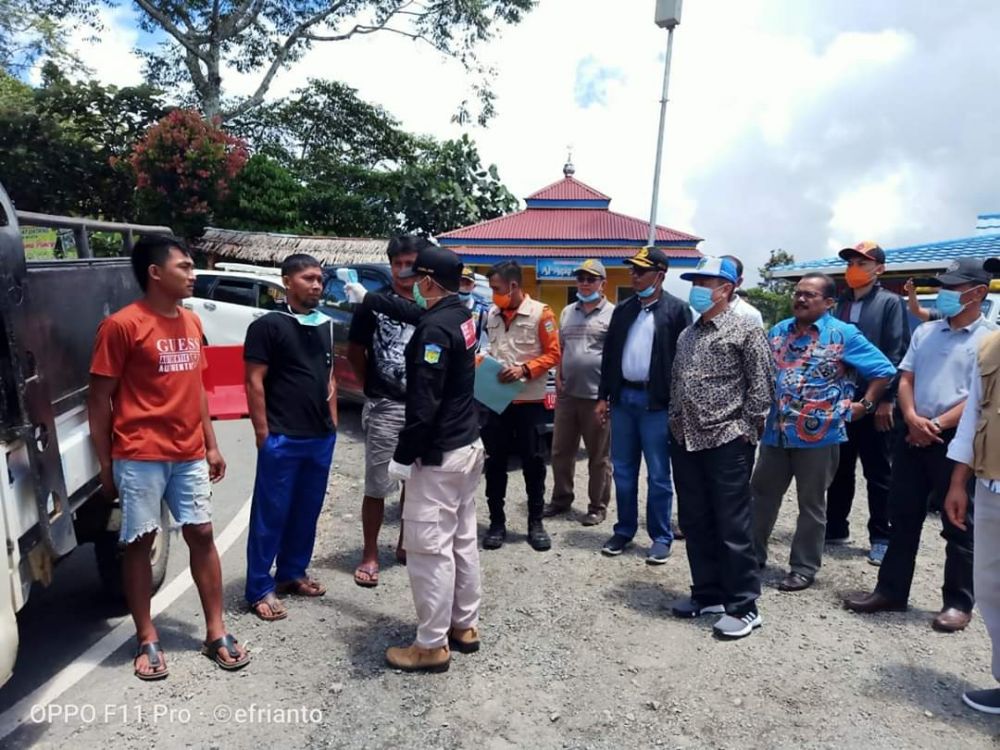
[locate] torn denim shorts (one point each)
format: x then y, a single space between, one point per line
142 485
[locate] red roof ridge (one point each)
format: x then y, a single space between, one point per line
680 235
482 223
568 188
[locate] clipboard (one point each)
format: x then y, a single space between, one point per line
489 391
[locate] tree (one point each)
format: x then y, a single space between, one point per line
264 36
60 143
773 297
264 197
33 29
183 167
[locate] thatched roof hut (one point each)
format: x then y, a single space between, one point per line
267 248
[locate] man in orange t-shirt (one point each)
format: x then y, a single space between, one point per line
154 441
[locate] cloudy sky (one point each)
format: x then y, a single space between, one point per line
796 125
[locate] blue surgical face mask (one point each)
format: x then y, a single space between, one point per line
465 296
649 291
592 297
312 318
949 303
701 299
419 297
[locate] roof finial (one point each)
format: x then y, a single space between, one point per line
568 169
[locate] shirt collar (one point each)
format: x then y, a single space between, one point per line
968 329
600 306
849 296
722 317
820 325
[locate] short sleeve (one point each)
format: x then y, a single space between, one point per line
362 327
110 349
909 358
257 347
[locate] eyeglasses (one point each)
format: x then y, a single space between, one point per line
806 295
586 278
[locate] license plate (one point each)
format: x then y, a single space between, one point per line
550 401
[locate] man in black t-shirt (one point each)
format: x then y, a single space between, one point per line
292 396
376 351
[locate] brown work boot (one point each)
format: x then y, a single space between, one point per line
413 658
464 640
593 518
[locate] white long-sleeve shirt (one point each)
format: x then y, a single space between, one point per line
961 448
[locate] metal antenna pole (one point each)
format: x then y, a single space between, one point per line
659 138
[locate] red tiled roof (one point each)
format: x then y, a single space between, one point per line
568 189
566 252
566 224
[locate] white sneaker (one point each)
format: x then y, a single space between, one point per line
730 626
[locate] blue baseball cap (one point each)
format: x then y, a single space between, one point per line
709 265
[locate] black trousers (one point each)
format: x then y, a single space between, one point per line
874 448
917 474
516 431
715 510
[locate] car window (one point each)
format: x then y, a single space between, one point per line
203 285
333 290
270 296
236 291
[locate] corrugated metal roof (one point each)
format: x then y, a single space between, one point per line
566 224
920 257
568 189
266 247
565 252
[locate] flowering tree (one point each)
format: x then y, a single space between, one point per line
183 168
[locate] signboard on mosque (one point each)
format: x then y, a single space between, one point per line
557 269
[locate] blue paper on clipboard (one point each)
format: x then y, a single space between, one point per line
490 392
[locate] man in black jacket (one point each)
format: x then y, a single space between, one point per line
635 387
881 317
440 457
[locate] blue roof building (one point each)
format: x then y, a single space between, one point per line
923 259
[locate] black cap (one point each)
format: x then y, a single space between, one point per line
962 271
440 264
992 265
650 258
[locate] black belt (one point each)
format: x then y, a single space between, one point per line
635 385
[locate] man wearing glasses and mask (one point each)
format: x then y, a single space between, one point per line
583 328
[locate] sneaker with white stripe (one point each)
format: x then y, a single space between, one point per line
731 626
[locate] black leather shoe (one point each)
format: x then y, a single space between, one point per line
495 536
795 582
871 603
537 537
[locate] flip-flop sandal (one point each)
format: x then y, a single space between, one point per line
228 642
301 587
372 580
255 608
152 653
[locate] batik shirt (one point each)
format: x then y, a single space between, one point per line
815 381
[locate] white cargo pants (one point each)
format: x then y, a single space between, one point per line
986 566
439 536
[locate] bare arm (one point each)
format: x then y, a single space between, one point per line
332 400
216 464
99 413
922 431
913 304
256 373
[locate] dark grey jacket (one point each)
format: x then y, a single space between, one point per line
671 317
884 323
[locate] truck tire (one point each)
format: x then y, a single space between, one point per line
109 554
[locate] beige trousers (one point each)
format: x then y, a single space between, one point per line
574 418
986 565
439 536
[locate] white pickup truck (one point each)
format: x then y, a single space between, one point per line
49 499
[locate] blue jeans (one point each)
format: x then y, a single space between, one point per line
288 495
637 432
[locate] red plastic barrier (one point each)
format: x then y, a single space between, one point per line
224 379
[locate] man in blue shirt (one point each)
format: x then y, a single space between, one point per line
814 401
933 387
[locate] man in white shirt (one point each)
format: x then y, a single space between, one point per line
738 303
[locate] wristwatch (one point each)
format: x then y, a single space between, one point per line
869 406
937 423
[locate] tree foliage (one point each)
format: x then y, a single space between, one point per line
262 37
773 297
183 168
59 143
35 29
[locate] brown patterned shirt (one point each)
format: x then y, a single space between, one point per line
722 383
